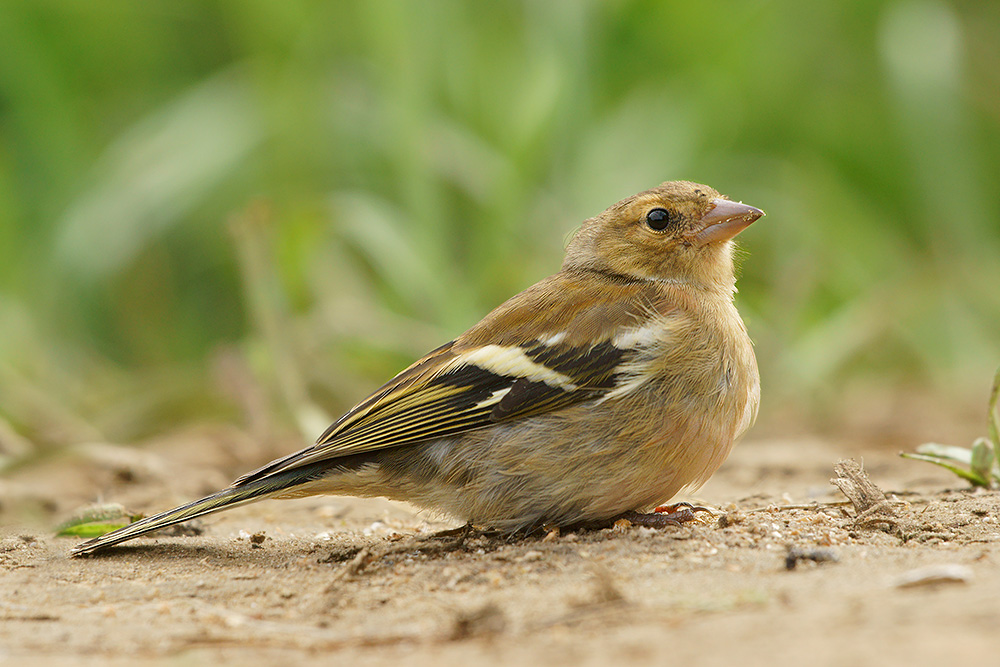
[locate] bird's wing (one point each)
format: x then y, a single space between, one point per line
575 353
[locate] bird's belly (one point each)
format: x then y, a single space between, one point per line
547 470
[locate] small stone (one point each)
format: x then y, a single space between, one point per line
944 573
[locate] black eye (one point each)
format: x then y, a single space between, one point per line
658 219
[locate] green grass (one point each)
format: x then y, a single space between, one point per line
977 464
323 191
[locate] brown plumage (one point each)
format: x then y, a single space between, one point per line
602 389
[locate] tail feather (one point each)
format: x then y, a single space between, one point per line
213 503
233 496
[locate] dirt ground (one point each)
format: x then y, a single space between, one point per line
358 582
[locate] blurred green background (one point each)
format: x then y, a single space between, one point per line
255 212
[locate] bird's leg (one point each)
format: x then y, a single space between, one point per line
676 507
459 535
665 515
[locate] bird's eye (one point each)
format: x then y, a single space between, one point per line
658 219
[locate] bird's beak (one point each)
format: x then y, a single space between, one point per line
725 220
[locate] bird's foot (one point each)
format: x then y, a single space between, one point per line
459 534
666 515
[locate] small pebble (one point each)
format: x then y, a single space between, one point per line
795 554
945 573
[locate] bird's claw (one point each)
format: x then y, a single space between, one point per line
666 515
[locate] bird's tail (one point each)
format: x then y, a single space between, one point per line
233 496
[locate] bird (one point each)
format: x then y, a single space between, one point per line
597 393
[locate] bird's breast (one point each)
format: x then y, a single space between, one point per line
702 395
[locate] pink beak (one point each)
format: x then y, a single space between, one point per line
726 220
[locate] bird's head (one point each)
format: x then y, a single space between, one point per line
677 232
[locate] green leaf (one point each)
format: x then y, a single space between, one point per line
994 413
96 520
947 452
982 458
973 478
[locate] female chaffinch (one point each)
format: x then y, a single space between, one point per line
601 390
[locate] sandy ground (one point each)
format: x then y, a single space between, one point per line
358 582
